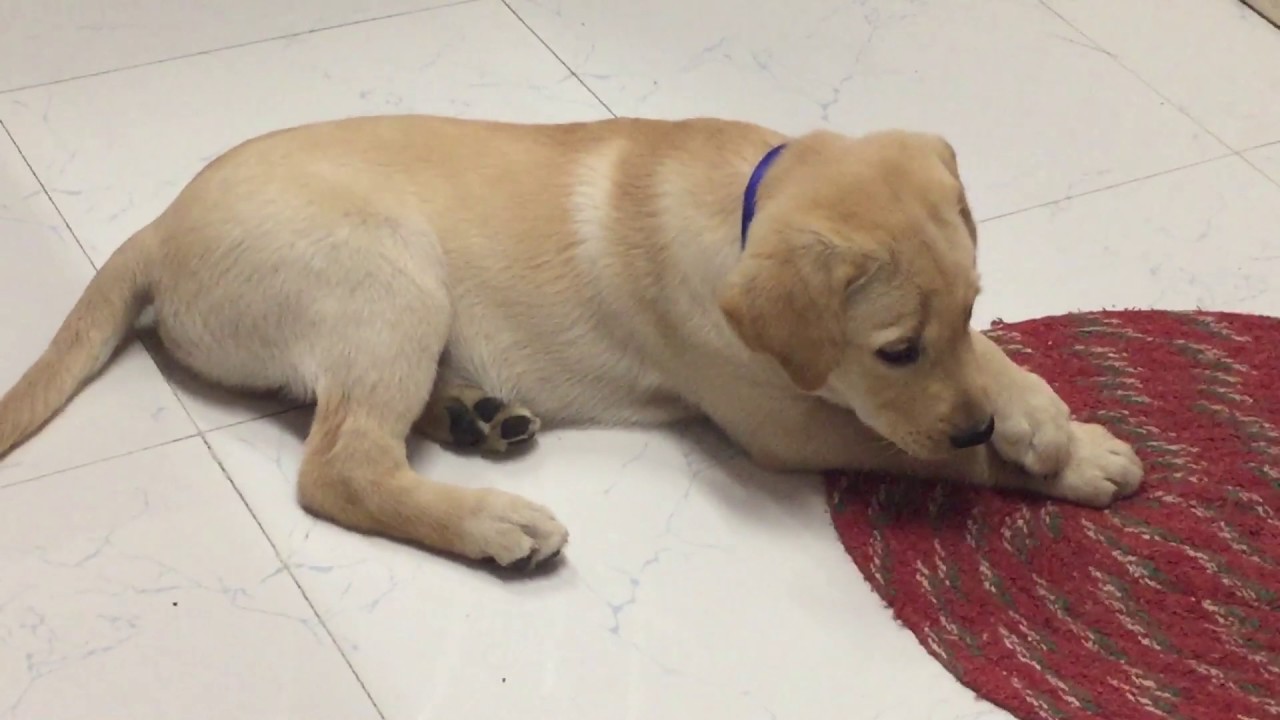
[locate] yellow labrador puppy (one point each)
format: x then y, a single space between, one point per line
811 296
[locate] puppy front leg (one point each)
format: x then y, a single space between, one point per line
805 434
1045 450
1041 450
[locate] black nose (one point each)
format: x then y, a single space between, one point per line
974 438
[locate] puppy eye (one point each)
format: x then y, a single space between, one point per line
900 355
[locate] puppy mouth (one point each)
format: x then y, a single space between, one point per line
928 452
918 446
914 444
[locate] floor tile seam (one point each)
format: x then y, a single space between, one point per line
1227 150
201 434
1244 155
173 389
1142 79
1270 20
590 90
1113 186
47 195
288 569
97 461
236 46
1274 180
196 432
1261 146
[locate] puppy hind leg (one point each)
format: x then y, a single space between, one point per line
355 473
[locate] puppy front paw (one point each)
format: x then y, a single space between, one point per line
1033 427
1101 468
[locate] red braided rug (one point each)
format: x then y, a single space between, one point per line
1166 605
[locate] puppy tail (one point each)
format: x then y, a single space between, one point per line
88 337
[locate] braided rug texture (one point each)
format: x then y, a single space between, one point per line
1167 605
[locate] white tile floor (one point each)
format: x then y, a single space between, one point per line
153 564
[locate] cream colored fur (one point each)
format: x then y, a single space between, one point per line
399 269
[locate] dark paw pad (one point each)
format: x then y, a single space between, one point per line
516 428
464 428
487 408
484 422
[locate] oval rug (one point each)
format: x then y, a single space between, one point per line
1167 605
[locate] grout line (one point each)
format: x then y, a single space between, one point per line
108 458
247 43
203 434
1269 18
1260 171
1113 186
559 59
200 433
246 421
1255 166
284 565
48 196
1116 58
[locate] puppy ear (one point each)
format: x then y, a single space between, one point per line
786 298
947 154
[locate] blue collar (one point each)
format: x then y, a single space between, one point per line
753 185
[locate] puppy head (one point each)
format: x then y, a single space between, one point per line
859 279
